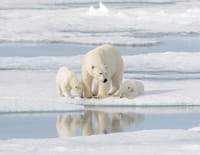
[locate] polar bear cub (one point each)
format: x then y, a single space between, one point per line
131 89
66 81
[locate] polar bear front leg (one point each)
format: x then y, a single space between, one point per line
96 88
87 85
67 92
103 90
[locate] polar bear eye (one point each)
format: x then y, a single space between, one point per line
129 87
76 87
100 73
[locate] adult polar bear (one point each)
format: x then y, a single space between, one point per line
104 66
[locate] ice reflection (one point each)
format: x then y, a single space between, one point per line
95 122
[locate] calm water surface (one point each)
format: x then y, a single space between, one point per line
92 122
168 44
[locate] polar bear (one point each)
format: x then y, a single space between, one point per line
131 89
66 81
103 66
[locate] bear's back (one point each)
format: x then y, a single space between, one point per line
104 50
105 54
64 74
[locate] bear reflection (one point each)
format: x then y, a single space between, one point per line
93 122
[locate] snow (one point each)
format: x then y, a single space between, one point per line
168 93
28 84
31 92
41 3
180 62
196 129
145 109
97 25
79 1
177 141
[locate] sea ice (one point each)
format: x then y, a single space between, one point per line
124 26
170 79
173 142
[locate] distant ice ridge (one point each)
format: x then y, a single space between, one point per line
101 11
10 3
95 26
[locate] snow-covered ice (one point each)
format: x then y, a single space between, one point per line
28 84
169 62
31 92
146 142
126 26
170 93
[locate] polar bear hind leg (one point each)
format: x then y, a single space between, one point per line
59 90
103 90
66 92
87 82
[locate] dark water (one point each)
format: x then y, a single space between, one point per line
92 122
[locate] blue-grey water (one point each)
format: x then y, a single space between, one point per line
90 123
168 44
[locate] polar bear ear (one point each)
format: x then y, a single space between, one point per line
92 67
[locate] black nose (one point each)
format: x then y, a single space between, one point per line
105 80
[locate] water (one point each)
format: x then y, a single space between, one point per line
92 122
168 44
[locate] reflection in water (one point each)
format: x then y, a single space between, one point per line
93 122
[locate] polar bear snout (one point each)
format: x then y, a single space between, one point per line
105 80
131 90
79 90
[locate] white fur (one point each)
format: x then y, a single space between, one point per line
103 66
131 89
66 81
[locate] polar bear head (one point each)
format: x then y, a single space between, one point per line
77 87
100 73
127 88
131 88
